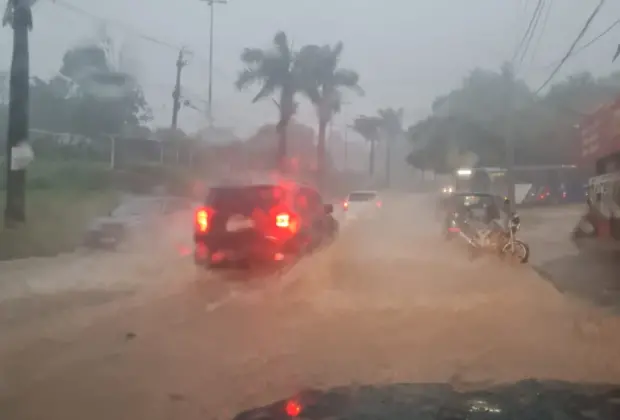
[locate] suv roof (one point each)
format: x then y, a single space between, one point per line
363 192
362 195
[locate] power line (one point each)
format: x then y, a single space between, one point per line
596 38
543 28
585 46
572 47
530 28
531 34
79 10
128 28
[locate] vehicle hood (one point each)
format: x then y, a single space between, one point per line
526 400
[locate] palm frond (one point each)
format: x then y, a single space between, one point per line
246 77
312 91
280 41
252 56
268 88
336 50
346 78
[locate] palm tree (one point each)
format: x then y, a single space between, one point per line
19 15
392 128
369 127
323 86
275 70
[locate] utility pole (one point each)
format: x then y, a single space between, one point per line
18 153
346 147
176 94
211 4
509 83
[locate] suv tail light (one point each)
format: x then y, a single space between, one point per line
345 205
203 219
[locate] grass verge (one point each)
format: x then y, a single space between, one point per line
56 221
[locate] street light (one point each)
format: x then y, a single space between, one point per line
211 4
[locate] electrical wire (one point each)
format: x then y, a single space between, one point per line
531 34
596 38
585 46
572 47
125 27
129 29
542 30
529 29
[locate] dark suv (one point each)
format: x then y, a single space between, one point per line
260 222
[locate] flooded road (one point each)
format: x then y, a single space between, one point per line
388 302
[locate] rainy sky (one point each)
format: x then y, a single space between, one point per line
406 51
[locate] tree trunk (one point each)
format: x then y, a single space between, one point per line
320 153
287 109
15 211
388 162
371 158
282 145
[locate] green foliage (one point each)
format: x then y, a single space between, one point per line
470 123
313 71
64 104
369 127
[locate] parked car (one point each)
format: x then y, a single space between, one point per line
131 213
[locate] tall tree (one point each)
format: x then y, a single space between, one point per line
276 70
325 82
369 127
20 17
473 119
106 100
392 128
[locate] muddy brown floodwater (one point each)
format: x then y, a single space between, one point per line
388 302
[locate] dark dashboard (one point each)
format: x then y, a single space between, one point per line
526 400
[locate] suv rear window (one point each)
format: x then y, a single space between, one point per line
362 196
244 198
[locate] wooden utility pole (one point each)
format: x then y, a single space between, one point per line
19 15
176 94
509 85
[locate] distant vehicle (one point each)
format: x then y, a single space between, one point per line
260 223
110 231
486 224
564 193
362 202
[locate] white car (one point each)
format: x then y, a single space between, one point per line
361 203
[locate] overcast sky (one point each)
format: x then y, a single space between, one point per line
406 51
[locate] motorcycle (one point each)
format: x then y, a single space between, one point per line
485 238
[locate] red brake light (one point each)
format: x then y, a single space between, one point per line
202 219
293 408
379 204
345 205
